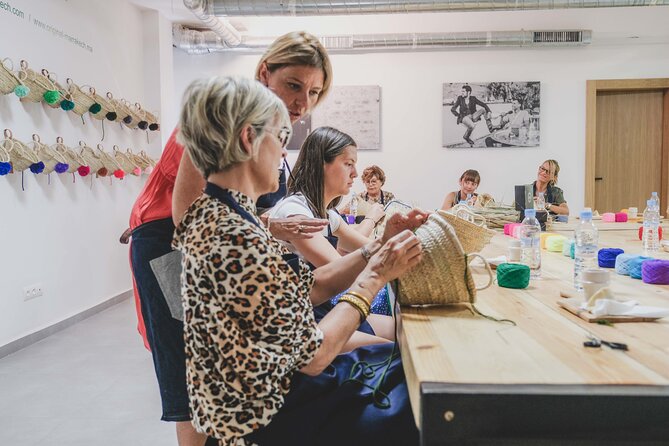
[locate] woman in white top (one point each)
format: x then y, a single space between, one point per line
323 174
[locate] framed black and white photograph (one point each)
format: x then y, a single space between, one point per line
493 114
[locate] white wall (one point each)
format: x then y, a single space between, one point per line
418 168
64 235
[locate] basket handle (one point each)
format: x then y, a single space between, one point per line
24 64
101 148
467 214
36 138
8 134
487 267
109 95
11 64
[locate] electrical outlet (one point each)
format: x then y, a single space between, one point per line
32 291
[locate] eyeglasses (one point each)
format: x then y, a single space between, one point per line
542 169
282 134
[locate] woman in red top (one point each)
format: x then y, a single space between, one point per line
297 69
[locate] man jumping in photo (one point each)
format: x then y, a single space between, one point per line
465 110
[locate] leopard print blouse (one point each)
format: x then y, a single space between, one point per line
248 320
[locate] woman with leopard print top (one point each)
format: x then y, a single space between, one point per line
260 369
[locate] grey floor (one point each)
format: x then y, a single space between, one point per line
91 384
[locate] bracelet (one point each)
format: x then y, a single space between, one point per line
357 304
360 296
366 254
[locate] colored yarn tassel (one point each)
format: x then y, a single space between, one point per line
5 168
513 275
61 167
120 174
37 167
84 170
655 271
606 257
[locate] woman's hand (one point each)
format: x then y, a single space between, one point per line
376 213
398 223
294 227
398 255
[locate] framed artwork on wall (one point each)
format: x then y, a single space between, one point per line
492 114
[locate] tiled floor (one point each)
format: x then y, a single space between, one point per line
91 384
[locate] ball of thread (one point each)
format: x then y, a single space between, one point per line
621 217
622 263
127 119
606 257
608 217
635 266
120 174
111 116
102 172
61 167
143 125
515 232
153 127
21 91
566 247
572 250
543 236
513 275
66 105
555 243
5 168
51 96
37 167
84 170
95 108
655 271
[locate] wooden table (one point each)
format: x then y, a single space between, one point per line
475 381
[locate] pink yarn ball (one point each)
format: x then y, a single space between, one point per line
137 171
621 217
609 217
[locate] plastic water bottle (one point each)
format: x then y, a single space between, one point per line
354 205
530 243
656 201
651 225
469 200
540 204
585 247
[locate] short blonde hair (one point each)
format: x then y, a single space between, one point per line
215 112
298 48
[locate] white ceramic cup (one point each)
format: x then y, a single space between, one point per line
632 212
594 280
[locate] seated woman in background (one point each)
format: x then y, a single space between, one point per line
323 174
547 178
260 370
373 200
469 182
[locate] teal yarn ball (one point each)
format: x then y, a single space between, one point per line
21 91
513 275
66 105
51 96
95 108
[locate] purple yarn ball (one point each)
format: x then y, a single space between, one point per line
61 167
655 272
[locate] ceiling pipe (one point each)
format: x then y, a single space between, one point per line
228 34
343 7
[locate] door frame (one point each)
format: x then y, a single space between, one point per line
595 86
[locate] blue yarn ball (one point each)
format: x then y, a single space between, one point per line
21 91
5 168
61 167
37 167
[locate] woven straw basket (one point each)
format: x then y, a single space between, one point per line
469 227
148 159
151 118
108 161
393 207
4 154
74 160
63 92
91 157
38 83
122 110
124 161
8 80
443 276
47 155
20 156
138 160
106 105
82 100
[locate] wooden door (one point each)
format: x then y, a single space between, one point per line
629 148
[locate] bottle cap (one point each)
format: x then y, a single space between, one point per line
530 213
650 202
586 214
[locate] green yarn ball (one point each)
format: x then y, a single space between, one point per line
95 108
66 105
513 275
21 91
51 96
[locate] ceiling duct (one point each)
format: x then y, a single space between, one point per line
196 42
223 32
328 7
